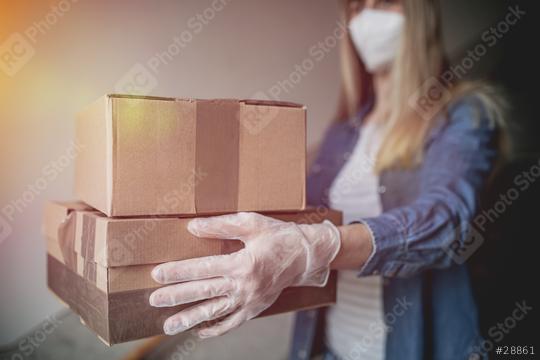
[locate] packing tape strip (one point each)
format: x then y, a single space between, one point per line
66 240
88 236
67 233
217 155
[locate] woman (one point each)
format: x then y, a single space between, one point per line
405 163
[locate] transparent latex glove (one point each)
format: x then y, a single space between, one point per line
237 287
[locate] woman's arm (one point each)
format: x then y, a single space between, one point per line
356 247
435 229
422 234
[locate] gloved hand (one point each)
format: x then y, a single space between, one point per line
237 287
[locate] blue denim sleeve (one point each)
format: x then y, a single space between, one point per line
456 164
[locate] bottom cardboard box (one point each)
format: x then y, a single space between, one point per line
124 316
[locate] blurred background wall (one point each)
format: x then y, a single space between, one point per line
69 52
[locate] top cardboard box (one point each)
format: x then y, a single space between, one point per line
166 156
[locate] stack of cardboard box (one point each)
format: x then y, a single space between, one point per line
147 166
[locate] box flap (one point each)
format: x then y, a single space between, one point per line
273 103
93 165
154 157
246 101
272 139
56 212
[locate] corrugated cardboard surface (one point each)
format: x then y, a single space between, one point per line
220 153
272 161
153 155
162 156
114 242
92 170
127 315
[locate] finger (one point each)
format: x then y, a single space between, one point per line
191 291
208 310
232 226
229 323
195 269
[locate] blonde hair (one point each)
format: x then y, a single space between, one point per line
420 59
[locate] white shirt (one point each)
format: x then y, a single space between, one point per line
354 326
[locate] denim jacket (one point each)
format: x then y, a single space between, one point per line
421 239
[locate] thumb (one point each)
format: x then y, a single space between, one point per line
232 226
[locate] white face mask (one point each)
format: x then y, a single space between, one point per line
376 35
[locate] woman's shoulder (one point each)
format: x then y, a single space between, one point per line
481 108
473 113
471 117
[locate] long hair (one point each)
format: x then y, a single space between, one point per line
420 59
